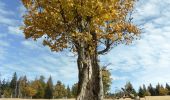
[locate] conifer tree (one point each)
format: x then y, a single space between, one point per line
68 92
151 90
49 89
141 92
157 89
129 88
75 90
13 85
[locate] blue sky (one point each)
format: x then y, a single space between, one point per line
144 61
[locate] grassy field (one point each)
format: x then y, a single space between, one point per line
146 98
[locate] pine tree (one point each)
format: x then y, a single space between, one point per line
129 88
13 85
151 90
157 90
163 91
75 90
168 87
49 89
141 92
68 92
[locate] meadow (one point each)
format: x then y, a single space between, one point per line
146 98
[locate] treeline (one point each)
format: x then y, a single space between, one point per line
159 90
129 91
23 88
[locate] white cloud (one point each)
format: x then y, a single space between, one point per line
147 60
30 44
115 78
15 30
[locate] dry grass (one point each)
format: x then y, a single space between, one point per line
146 98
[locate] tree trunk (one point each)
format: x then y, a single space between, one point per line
90 85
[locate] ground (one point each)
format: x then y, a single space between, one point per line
147 98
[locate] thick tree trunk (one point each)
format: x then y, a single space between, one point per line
90 85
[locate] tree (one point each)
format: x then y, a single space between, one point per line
60 90
129 88
68 92
157 89
141 92
49 89
168 87
23 85
30 91
146 91
75 90
40 86
163 91
84 27
13 85
151 90
107 81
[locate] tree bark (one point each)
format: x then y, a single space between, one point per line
90 85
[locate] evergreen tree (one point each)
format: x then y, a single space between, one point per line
141 92
168 87
157 90
75 90
49 89
146 91
129 88
163 91
68 92
151 90
13 85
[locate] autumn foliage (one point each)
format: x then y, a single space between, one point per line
65 23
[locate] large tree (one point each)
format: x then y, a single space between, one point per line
88 28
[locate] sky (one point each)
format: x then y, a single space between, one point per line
146 60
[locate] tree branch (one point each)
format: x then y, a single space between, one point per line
108 47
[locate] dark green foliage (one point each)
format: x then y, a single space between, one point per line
129 88
157 89
13 85
141 92
68 92
151 90
49 89
168 87
75 90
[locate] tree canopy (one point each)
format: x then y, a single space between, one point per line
67 23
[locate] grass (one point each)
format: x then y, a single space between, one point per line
146 98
